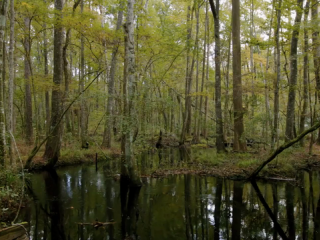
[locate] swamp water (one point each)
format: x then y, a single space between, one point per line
172 207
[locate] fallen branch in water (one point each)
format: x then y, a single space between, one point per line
282 148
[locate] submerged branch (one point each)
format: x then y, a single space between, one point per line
282 148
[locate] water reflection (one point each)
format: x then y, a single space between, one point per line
176 207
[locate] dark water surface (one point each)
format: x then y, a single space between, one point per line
174 207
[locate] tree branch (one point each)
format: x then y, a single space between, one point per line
282 148
37 147
213 9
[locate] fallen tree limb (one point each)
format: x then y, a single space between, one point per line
282 148
37 147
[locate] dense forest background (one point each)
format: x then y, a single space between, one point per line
98 72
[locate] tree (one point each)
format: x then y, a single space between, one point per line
290 120
219 123
27 77
128 168
274 134
238 111
83 112
53 144
11 79
108 123
3 17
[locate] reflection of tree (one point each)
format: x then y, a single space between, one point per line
236 210
317 220
267 208
217 208
275 207
55 211
290 211
129 195
305 212
187 203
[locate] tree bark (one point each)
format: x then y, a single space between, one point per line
128 163
219 123
52 148
305 73
239 141
67 70
290 123
11 80
188 81
109 120
46 73
275 135
83 113
27 77
3 15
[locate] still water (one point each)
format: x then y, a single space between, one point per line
172 207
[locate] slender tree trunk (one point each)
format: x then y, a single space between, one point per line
3 15
205 130
275 136
83 113
67 70
266 88
128 163
53 144
110 105
46 73
290 123
305 73
11 80
27 77
203 70
227 114
219 124
315 50
196 136
239 141
188 81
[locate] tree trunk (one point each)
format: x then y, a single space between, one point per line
293 75
52 149
128 163
3 15
203 70
27 77
109 120
239 141
196 137
11 80
315 50
46 73
219 124
305 73
67 70
275 136
83 114
188 81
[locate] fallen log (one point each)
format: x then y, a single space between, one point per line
282 148
17 231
